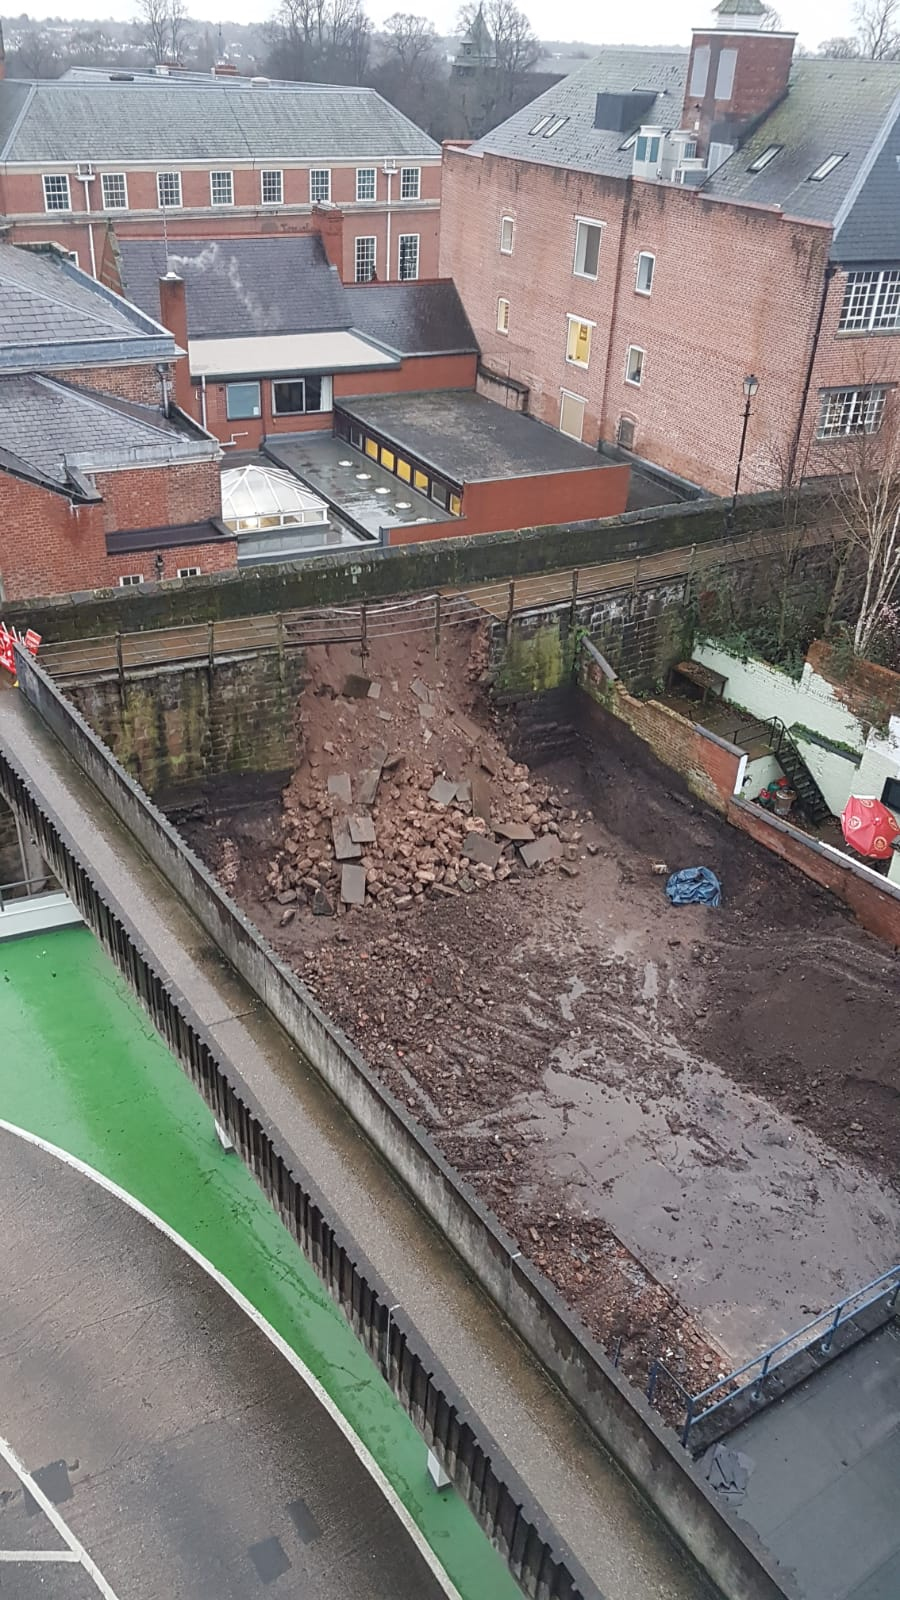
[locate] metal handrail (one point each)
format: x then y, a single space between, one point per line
20 883
804 1337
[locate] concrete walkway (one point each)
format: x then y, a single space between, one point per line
609 1530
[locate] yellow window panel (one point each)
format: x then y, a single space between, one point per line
404 469
387 458
579 345
455 505
372 449
420 481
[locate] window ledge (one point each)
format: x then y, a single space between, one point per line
588 277
582 365
868 333
634 383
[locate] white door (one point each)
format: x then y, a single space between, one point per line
571 415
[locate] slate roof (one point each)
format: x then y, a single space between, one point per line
48 429
412 319
240 286
164 123
52 315
831 108
578 144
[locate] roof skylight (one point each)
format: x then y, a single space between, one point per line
769 154
541 125
554 127
826 167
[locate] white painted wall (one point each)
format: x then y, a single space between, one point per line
836 774
760 773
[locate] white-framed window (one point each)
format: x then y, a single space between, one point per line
188 572
242 401
826 168
634 365
578 341
364 259
130 580
408 257
571 415
366 179
221 188
871 302
115 191
410 183
843 412
56 192
502 315
646 148
271 186
320 186
588 235
507 235
646 266
168 189
293 397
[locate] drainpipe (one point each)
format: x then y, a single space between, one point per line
162 371
87 179
389 172
830 271
203 399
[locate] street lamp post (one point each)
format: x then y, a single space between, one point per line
751 384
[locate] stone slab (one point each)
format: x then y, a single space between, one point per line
339 786
362 830
516 832
353 886
421 691
345 849
464 792
477 848
481 797
356 687
442 791
546 848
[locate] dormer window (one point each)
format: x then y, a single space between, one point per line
769 154
826 167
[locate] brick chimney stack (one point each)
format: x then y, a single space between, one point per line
173 315
737 72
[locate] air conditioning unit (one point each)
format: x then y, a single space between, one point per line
84 169
625 433
690 173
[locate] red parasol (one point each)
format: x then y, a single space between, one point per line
869 826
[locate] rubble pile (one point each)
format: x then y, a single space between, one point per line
402 823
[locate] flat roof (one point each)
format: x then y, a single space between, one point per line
469 439
269 355
361 492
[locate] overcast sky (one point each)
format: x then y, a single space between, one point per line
653 22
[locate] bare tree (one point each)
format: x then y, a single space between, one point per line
866 498
153 26
35 56
840 49
410 72
318 40
771 20
516 47
178 20
878 29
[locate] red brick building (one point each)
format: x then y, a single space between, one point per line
659 226
204 157
103 480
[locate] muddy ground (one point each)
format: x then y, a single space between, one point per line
689 1117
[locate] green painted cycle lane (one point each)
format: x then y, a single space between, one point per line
82 1067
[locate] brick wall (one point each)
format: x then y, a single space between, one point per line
528 503
703 327
51 547
875 904
141 383
712 770
183 723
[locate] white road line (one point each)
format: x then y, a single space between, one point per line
360 1450
8 1454
39 1555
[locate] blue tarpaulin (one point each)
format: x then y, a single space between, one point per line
694 886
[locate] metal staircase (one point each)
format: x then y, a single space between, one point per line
811 800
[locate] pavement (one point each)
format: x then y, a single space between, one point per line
174 1453
583 1494
824 1490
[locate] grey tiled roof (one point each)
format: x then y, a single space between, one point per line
241 286
53 315
50 427
578 144
412 318
832 108
67 120
871 230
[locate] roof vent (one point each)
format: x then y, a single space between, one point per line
121 77
260 83
620 113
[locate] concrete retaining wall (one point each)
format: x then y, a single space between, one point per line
726 1548
174 724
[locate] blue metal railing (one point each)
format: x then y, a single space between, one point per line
820 1331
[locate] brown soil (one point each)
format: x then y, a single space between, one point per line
460 999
